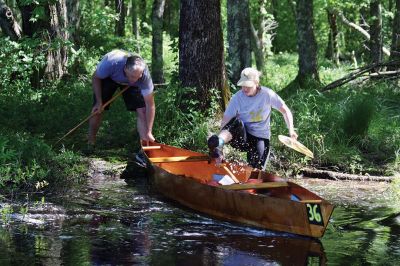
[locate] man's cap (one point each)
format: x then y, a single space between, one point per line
249 77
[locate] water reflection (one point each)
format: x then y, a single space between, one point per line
116 244
111 223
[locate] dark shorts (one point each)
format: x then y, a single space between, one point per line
133 98
257 148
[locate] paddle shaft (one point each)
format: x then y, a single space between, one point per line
230 174
93 114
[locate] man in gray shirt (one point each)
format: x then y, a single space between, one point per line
117 70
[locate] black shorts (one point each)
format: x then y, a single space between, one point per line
133 98
235 126
257 148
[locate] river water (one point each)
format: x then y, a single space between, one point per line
111 222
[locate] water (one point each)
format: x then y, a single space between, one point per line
113 223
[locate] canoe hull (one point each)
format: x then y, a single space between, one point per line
259 210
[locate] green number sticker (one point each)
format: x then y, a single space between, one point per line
314 214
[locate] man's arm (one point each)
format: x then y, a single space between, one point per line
150 114
96 84
288 116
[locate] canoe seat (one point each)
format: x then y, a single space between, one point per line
148 148
179 159
256 186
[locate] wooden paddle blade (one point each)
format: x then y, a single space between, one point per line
295 145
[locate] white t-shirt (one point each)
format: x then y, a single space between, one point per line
255 111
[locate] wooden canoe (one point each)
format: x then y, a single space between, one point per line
260 199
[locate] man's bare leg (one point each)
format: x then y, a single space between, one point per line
94 125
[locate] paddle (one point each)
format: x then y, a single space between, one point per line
92 114
230 174
295 145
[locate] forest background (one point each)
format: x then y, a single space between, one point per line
335 63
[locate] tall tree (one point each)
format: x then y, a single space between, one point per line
201 49
157 65
51 27
332 51
262 34
135 21
143 17
239 37
120 9
171 18
395 47
307 45
258 35
74 19
376 32
8 23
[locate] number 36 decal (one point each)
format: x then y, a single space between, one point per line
314 214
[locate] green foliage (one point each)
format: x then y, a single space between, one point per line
357 117
6 212
280 70
97 33
187 128
18 61
29 163
285 39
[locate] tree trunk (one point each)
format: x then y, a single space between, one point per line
51 28
201 49
74 19
395 47
332 51
157 63
376 32
261 43
275 10
8 23
120 9
307 46
257 47
135 20
143 17
171 18
239 37
57 58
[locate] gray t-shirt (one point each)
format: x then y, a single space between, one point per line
112 66
255 111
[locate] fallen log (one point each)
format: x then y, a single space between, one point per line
364 72
325 174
